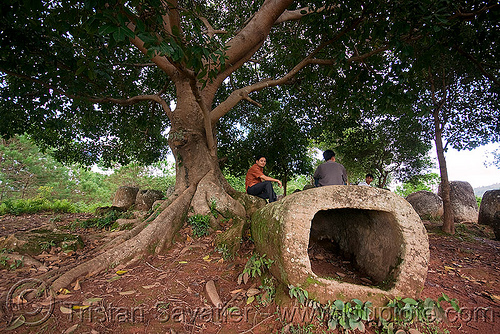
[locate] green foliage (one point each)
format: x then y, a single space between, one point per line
224 251
5 262
355 314
297 292
408 311
213 207
53 187
427 182
299 329
107 221
268 290
21 206
256 265
200 224
46 245
237 182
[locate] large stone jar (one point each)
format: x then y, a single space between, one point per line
378 229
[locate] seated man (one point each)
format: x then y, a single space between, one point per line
330 172
367 181
258 184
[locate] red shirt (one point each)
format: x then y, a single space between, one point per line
253 176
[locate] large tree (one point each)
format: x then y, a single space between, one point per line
101 80
456 78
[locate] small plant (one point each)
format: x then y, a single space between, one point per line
200 224
256 265
213 207
45 245
105 222
298 329
300 294
4 262
224 251
269 291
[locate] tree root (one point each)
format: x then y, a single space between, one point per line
211 189
159 232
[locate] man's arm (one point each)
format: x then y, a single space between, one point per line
267 178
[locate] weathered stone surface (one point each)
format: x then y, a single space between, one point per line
489 211
35 241
145 198
463 201
125 197
426 204
379 229
496 225
490 204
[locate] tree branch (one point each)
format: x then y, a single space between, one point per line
297 14
122 102
478 65
210 30
242 93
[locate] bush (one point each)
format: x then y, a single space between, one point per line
200 224
21 206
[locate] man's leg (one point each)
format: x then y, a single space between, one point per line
258 190
263 190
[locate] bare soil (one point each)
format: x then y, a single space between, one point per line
168 293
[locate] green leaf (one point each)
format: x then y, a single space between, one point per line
107 29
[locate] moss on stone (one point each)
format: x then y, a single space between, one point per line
35 241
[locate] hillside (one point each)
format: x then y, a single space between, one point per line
481 190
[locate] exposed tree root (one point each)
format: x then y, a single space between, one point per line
154 236
211 189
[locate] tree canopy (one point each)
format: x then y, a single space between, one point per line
103 80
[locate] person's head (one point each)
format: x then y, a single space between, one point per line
328 155
369 178
261 161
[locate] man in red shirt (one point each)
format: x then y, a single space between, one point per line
258 184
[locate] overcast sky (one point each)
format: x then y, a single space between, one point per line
470 166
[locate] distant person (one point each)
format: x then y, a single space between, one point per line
330 172
258 184
367 181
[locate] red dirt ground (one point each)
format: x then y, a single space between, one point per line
167 293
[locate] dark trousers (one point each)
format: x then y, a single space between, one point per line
263 190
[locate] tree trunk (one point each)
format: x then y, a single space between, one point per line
448 219
199 183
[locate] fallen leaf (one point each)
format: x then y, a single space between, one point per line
65 310
80 307
236 291
64 296
182 262
147 287
495 297
92 301
64 291
125 293
114 278
77 285
252 292
121 272
71 329
250 300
